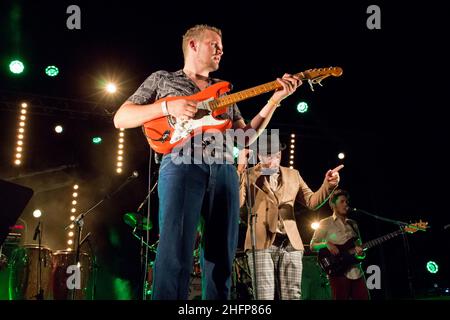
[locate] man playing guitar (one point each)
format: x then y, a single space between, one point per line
337 230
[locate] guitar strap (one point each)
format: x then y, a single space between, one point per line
350 222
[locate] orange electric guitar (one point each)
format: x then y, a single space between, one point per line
164 133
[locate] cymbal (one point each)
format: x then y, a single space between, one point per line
136 220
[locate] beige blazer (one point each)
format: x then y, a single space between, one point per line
269 205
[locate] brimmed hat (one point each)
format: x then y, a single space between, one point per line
270 144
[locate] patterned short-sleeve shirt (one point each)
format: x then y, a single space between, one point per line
161 84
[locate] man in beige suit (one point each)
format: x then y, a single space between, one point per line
279 247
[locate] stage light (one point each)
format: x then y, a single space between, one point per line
96 140
58 129
235 152
315 225
302 107
16 67
73 210
341 155
432 267
21 134
51 71
120 147
37 213
111 88
292 151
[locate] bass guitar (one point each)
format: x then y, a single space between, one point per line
335 265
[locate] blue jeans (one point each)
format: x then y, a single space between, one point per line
187 191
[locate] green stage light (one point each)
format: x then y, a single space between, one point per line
302 107
51 71
235 152
432 267
96 140
16 67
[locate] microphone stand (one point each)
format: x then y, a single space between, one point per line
79 221
252 223
144 257
401 225
152 247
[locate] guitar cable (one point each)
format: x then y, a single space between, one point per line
147 233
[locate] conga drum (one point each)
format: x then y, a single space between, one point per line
30 273
66 277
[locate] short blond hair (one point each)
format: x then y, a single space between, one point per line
196 32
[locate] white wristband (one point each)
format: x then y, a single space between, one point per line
164 108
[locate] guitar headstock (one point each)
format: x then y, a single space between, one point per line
418 226
315 76
323 72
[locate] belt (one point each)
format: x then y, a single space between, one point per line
281 240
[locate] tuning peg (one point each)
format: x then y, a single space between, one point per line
310 82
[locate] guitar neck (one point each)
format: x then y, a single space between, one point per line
380 240
248 93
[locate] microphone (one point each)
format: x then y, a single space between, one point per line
134 175
352 209
36 231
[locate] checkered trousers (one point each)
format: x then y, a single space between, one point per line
278 272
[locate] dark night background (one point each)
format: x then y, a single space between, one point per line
386 112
